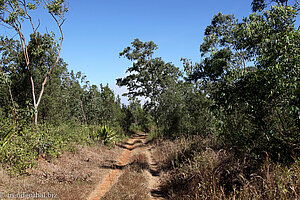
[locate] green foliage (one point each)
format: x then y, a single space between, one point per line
135 118
149 77
6 130
25 146
68 102
259 5
57 7
71 111
145 121
127 120
106 134
245 90
41 54
17 10
169 100
255 105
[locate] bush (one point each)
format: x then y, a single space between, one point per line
106 134
25 145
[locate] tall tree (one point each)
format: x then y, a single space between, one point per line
257 104
14 14
149 77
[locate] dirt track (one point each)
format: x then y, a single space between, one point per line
136 144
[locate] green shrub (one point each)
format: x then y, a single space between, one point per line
23 147
107 135
6 130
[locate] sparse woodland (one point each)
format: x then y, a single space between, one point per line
227 127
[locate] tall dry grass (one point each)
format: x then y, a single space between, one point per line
206 171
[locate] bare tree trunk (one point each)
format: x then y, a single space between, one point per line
35 117
34 103
39 100
16 24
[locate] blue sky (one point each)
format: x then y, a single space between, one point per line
96 31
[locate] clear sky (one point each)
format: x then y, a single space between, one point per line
96 31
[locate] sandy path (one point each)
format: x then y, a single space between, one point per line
113 174
153 177
133 146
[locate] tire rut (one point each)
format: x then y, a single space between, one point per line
137 143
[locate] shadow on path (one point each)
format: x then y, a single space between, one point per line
131 147
137 143
156 193
112 164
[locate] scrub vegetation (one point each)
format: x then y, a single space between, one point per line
227 127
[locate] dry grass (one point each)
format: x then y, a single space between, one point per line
273 181
139 162
70 177
170 154
212 173
132 184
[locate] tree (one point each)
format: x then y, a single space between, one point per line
107 104
274 41
14 14
149 77
255 99
14 67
